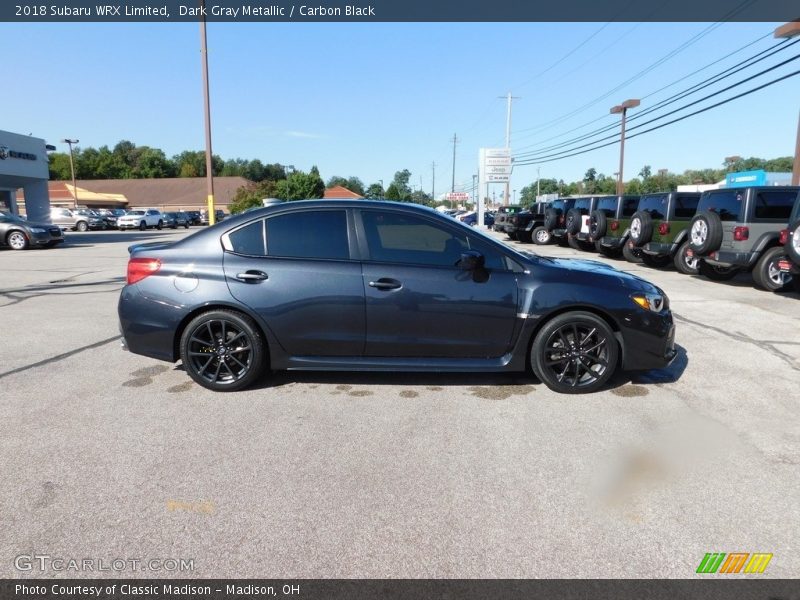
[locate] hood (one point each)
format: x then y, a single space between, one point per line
45 226
600 269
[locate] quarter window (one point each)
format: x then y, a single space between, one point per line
775 205
686 206
249 240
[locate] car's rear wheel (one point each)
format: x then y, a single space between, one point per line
573 243
142 226
81 226
223 350
160 224
767 275
575 353
542 236
717 273
657 261
688 265
186 225
17 240
525 236
608 252
512 235
630 254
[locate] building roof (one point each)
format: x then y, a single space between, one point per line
61 192
341 193
168 191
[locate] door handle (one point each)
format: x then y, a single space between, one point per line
386 284
252 276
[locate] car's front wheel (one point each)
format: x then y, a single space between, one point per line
81 226
17 240
142 226
575 353
223 350
160 225
542 236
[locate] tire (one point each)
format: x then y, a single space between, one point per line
656 262
573 243
160 225
573 221
81 226
627 254
541 236
525 236
641 228
512 235
186 226
684 264
705 232
717 273
766 273
792 246
205 332
17 240
142 226
550 218
580 342
598 224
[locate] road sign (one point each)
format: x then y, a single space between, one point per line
457 196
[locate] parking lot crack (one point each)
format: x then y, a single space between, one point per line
59 357
769 346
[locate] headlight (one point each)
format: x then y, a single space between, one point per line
38 230
653 302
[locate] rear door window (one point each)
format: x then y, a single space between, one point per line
308 234
727 204
775 205
686 206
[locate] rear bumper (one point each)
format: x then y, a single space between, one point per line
559 233
613 242
658 249
723 258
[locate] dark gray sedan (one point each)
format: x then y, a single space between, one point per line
381 286
20 234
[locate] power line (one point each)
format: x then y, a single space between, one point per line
729 72
697 112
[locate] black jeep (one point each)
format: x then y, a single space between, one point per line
555 217
739 229
790 264
520 226
502 214
605 219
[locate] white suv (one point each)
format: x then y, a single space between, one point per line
141 219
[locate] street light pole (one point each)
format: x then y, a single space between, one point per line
72 170
207 110
381 180
623 109
789 30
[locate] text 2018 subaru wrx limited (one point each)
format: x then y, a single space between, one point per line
363 285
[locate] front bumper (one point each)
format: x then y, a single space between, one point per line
48 238
648 340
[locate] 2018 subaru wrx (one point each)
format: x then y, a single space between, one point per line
367 285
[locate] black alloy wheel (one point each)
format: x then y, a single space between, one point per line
223 350
575 353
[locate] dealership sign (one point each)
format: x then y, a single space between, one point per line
495 165
457 196
6 153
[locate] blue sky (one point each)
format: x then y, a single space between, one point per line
370 99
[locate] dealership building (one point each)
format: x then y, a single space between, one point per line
24 167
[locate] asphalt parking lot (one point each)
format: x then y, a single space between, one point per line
111 455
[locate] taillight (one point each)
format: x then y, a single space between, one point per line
740 234
561 220
663 229
614 225
784 237
139 268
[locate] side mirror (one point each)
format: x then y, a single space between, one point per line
471 260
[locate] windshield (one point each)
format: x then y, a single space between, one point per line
4 216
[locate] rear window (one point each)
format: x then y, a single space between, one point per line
727 204
656 205
629 206
608 206
775 205
583 203
686 206
563 205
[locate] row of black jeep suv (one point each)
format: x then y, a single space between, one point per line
717 234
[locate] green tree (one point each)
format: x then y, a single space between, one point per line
251 195
59 166
375 192
301 186
399 190
152 163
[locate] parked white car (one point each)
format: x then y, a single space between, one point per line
141 219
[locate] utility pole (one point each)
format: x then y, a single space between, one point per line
790 30
509 98
622 109
72 170
475 192
433 181
538 193
453 184
207 111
